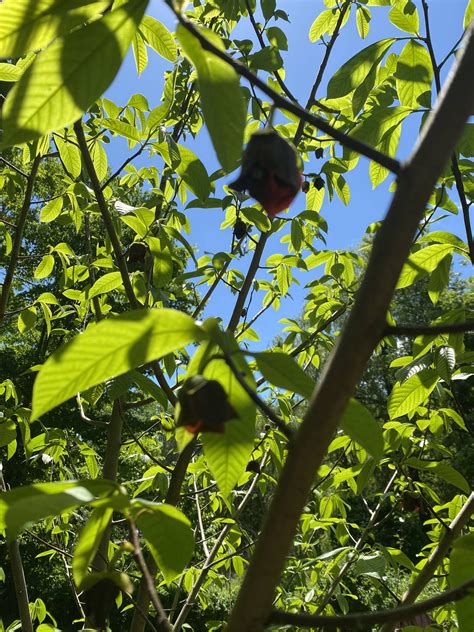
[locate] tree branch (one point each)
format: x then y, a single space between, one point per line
454 161
162 620
20 226
438 554
365 620
247 284
358 339
428 330
319 77
286 104
214 551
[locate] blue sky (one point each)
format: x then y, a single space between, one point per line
346 224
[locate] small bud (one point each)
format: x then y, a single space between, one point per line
319 152
305 186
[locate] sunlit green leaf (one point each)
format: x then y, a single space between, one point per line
108 349
89 539
283 371
461 569
353 72
28 26
414 75
158 37
406 397
106 284
28 504
35 107
359 423
168 534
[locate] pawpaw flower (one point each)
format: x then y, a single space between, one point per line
203 406
270 171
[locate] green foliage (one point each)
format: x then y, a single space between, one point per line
121 253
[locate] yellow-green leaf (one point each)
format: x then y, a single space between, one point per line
35 107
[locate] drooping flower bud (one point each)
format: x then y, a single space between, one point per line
203 406
269 171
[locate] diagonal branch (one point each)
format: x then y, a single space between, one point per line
359 338
286 104
319 77
438 554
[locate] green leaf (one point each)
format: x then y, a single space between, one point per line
227 454
106 284
414 75
439 278
324 24
28 26
363 18
51 210
158 37
268 59
353 72
443 470
99 158
89 539
422 262
168 534
268 8
139 52
277 37
122 129
28 504
188 166
26 319
404 15
283 371
221 98
361 426
44 268
445 362
10 72
461 569
469 14
162 261
7 432
35 107
406 397
70 155
108 349
378 122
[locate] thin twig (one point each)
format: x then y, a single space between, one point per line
312 97
209 562
161 619
247 284
13 167
454 161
